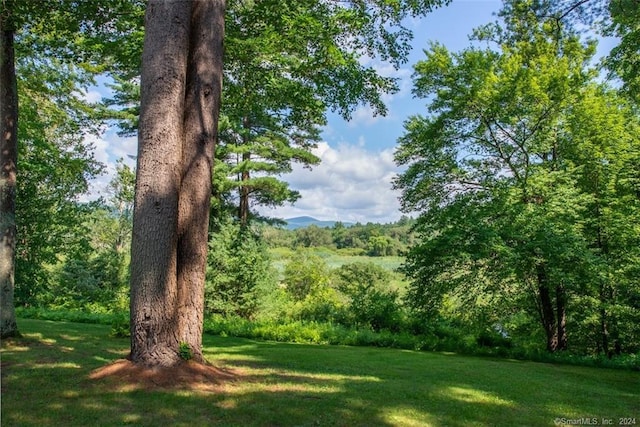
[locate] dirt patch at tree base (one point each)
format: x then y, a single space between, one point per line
125 375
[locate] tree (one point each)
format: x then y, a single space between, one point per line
623 59
496 175
122 190
180 93
371 303
284 67
305 274
612 18
239 270
8 162
49 55
180 100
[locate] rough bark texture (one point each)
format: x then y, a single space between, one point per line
561 317
202 106
546 308
8 161
155 339
180 100
243 207
243 211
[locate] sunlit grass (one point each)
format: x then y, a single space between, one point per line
295 384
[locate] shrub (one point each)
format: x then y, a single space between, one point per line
120 325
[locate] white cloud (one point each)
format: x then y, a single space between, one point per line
92 96
350 184
364 114
108 148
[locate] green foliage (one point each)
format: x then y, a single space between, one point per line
59 49
518 173
312 236
623 59
239 270
322 304
361 239
185 351
120 325
371 303
305 274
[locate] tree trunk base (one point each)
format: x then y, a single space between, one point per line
124 374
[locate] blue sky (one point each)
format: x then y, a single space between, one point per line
353 181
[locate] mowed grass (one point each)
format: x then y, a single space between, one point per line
45 382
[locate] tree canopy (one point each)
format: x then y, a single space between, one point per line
509 172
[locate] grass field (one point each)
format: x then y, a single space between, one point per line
45 382
335 258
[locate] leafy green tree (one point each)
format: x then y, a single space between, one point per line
380 246
612 18
494 172
50 52
55 162
313 236
371 303
608 154
304 274
98 278
623 59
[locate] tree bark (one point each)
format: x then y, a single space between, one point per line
8 162
202 107
561 317
243 212
180 101
155 339
243 208
546 307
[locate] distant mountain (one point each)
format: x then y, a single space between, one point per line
305 221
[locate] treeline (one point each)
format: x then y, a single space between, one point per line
362 239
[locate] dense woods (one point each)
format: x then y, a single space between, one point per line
520 181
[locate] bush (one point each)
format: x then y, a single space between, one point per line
120 325
305 274
493 338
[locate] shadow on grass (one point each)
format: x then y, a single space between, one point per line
45 383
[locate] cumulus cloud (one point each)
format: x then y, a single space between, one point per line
350 184
107 149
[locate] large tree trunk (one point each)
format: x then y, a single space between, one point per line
561 317
243 212
243 208
8 161
155 339
180 100
202 106
546 308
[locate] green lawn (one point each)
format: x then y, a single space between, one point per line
45 383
